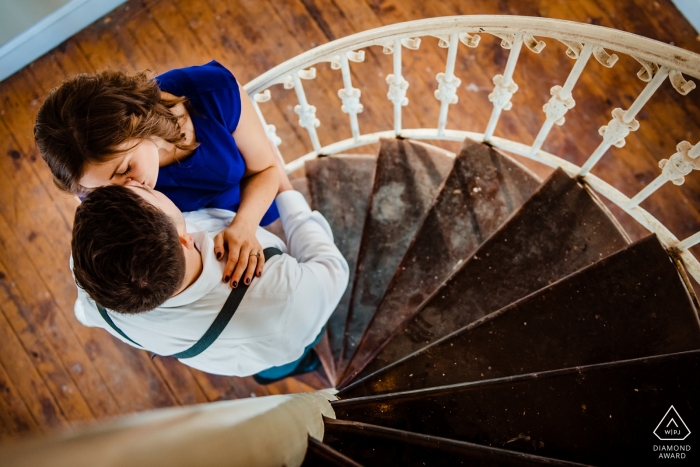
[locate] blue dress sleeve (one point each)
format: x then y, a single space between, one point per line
216 89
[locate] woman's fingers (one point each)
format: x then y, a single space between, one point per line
219 249
243 260
259 266
245 257
253 261
231 263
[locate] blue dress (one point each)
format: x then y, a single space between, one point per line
211 176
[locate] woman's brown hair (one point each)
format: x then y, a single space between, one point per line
86 119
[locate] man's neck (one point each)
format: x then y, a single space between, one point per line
193 268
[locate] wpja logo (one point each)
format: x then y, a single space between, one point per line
672 428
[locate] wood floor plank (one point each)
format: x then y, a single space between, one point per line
30 384
16 417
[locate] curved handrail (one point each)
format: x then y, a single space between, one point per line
659 61
620 41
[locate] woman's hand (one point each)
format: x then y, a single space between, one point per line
245 254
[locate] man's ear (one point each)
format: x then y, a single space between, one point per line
187 241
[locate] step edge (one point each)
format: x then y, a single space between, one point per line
515 304
361 427
514 378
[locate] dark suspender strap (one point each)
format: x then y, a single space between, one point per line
224 316
106 317
220 322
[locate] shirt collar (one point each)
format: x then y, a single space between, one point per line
212 270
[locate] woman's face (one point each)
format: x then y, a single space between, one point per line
139 163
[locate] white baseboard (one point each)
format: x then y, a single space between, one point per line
50 32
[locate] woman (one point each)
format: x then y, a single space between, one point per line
188 133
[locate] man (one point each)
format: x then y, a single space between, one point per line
135 252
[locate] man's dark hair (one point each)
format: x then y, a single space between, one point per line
126 252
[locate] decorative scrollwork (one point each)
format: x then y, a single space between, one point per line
443 40
357 57
502 94
574 48
557 107
679 82
447 90
288 82
648 70
465 38
271 132
680 164
615 132
397 90
351 101
307 116
469 40
507 40
604 58
533 44
263 96
412 43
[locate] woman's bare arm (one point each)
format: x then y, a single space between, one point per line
258 189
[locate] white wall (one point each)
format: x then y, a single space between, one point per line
691 10
16 16
30 28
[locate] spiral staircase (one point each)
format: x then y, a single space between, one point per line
493 318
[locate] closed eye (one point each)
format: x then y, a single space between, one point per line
126 172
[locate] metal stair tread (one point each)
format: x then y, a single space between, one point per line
481 191
559 230
610 310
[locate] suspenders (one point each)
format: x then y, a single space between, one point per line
216 328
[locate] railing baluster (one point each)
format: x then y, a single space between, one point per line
561 100
270 130
673 169
689 242
397 84
615 132
306 112
397 87
349 95
448 83
505 87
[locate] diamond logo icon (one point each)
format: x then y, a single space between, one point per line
671 427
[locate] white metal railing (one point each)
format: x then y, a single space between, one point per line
659 61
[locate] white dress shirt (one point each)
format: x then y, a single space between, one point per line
282 312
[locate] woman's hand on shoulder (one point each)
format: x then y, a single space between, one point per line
245 254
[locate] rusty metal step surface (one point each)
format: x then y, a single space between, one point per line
559 230
482 190
407 180
374 445
339 188
321 455
604 414
628 305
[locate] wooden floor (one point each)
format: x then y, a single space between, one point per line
55 373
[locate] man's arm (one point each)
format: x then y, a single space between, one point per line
320 272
